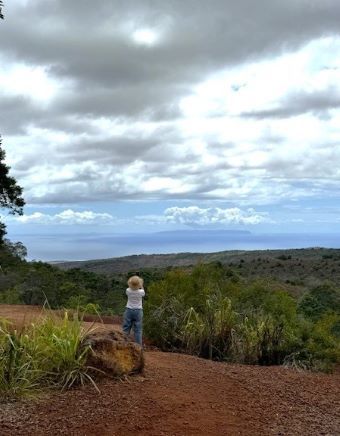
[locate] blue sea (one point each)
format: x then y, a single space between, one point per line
94 246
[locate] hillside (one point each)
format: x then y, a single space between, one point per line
298 267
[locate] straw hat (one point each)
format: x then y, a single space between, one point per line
135 283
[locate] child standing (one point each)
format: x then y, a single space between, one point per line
133 316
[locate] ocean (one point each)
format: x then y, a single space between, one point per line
94 246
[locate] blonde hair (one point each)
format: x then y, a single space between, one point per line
135 283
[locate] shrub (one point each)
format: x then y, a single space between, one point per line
319 301
284 257
169 300
207 314
10 296
324 342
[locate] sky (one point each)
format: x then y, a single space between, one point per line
152 116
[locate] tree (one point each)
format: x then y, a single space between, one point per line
2 231
16 249
10 192
1 15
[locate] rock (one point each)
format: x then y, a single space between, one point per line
114 354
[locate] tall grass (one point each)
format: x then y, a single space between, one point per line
48 353
209 333
260 338
163 323
18 374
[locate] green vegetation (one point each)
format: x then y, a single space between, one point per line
48 354
33 283
301 269
320 300
212 312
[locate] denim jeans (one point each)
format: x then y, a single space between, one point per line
133 318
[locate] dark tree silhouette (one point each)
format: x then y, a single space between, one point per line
1 14
10 192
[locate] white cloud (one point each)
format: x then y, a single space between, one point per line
194 215
67 217
263 84
36 82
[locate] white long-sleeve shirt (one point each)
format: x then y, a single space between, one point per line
135 298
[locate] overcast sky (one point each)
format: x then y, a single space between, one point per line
136 116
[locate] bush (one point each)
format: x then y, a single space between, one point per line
323 344
10 296
169 300
205 313
319 301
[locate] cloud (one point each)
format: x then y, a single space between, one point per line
67 217
193 35
171 100
318 102
191 216
194 215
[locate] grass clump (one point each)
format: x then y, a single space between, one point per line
46 354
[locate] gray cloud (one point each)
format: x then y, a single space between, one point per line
87 49
85 42
81 40
152 102
16 112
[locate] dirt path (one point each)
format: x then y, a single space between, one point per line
184 395
20 315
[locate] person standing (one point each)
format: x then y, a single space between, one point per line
133 315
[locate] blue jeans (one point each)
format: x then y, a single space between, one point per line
133 318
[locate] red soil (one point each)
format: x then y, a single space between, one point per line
184 395
20 315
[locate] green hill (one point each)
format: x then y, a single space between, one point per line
298 267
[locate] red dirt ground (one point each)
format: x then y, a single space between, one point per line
183 395
20 315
